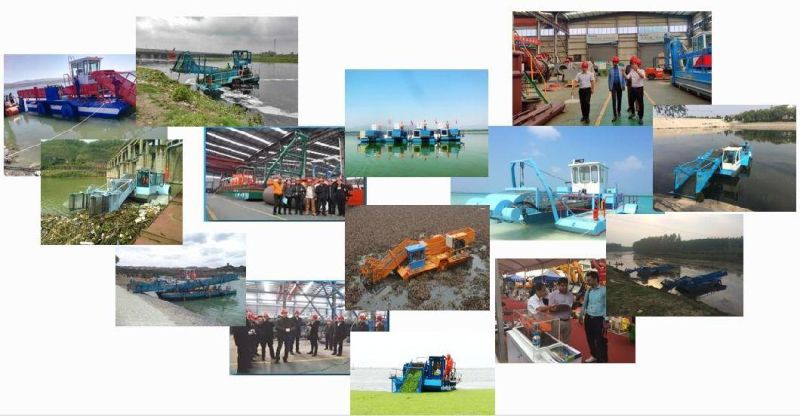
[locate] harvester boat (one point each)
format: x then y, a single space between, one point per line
436 374
696 284
695 176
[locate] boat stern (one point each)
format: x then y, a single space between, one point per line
582 224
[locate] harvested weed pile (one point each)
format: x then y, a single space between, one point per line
120 227
411 381
418 291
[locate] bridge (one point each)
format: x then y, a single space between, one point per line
145 55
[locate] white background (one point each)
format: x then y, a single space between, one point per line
61 353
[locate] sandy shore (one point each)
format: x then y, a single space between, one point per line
668 203
145 310
700 125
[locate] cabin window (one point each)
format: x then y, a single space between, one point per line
595 174
584 174
603 175
575 174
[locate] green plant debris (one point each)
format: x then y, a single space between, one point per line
164 101
119 227
458 402
411 381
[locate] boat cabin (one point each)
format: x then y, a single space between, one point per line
731 159
82 68
588 177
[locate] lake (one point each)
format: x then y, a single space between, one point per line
769 186
377 379
511 231
470 158
729 300
226 310
275 98
55 191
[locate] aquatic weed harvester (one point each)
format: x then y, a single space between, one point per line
437 373
211 79
694 176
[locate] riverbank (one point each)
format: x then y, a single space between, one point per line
136 309
458 402
163 101
628 298
666 203
275 59
666 125
71 173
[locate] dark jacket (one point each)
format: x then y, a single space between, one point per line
239 335
339 331
362 326
298 324
379 327
313 333
265 331
628 71
281 327
299 191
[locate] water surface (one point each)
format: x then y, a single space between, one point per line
55 191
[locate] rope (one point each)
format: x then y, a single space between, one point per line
59 134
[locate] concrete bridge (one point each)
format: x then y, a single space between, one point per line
160 155
163 55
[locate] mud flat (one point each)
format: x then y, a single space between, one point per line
663 202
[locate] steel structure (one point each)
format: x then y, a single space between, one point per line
323 297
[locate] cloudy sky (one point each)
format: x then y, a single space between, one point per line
199 249
217 34
626 229
627 151
720 110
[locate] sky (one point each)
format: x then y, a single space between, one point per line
198 249
720 110
627 151
626 229
30 67
421 337
376 96
217 34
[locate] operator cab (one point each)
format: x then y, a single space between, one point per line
588 177
82 68
416 255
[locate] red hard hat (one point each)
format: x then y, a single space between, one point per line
314 316
585 65
634 59
340 318
362 316
284 312
379 317
296 312
615 59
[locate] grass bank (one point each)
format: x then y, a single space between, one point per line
163 101
275 59
626 297
72 173
459 402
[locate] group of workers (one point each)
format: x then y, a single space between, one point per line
310 196
632 78
560 303
363 325
261 330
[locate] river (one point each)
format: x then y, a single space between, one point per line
377 379
769 186
226 310
470 158
510 231
729 300
275 98
55 191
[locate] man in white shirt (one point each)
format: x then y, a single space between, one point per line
585 81
637 77
536 303
560 304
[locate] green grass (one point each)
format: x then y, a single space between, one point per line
166 102
275 59
627 298
459 402
71 173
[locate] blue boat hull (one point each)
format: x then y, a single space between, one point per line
195 295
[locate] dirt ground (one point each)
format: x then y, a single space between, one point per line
372 230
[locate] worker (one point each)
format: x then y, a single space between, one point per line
313 334
252 337
300 197
362 325
266 332
436 370
309 201
297 321
329 327
593 318
342 193
637 77
321 195
448 365
379 327
628 84
240 338
333 189
277 187
339 334
616 84
537 302
283 329
77 83
585 81
560 302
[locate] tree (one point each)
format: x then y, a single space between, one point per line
671 110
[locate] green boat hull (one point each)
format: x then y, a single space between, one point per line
245 194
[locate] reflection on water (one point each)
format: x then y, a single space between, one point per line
226 310
55 191
728 300
275 96
545 230
468 158
770 184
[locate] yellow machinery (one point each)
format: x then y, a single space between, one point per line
410 257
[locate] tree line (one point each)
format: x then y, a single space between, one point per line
674 244
775 113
